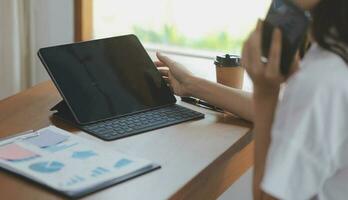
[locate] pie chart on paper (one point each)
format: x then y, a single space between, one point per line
46 167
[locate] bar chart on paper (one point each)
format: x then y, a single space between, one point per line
75 180
99 171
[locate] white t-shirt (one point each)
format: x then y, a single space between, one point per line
308 155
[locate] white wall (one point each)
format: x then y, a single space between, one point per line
53 24
26 26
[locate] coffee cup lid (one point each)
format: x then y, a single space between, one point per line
227 61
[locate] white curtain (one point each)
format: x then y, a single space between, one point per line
26 26
14 46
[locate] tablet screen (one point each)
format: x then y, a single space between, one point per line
105 78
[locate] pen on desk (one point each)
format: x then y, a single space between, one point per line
200 103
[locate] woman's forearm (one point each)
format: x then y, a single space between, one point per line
232 100
264 107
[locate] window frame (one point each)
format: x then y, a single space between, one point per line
83 20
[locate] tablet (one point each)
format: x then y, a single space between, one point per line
106 78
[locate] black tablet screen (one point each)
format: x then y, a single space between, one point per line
105 78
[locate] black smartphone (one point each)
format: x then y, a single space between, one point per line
293 23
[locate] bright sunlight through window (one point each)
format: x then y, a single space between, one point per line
218 25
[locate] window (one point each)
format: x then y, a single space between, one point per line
193 31
215 25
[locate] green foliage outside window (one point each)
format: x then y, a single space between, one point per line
221 41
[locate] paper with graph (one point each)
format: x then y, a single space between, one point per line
66 162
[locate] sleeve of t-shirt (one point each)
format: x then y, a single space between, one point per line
298 162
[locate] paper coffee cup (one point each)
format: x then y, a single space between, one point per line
228 71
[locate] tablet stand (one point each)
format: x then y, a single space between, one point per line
63 111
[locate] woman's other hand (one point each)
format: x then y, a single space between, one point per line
178 78
266 77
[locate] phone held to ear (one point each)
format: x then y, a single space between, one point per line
293 23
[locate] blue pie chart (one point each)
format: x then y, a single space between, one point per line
46 167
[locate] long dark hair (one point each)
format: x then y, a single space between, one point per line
330 26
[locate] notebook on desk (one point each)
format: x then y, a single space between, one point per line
67 163
111 88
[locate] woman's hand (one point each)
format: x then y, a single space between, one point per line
178 78
266 77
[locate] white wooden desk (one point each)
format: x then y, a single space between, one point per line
199 159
